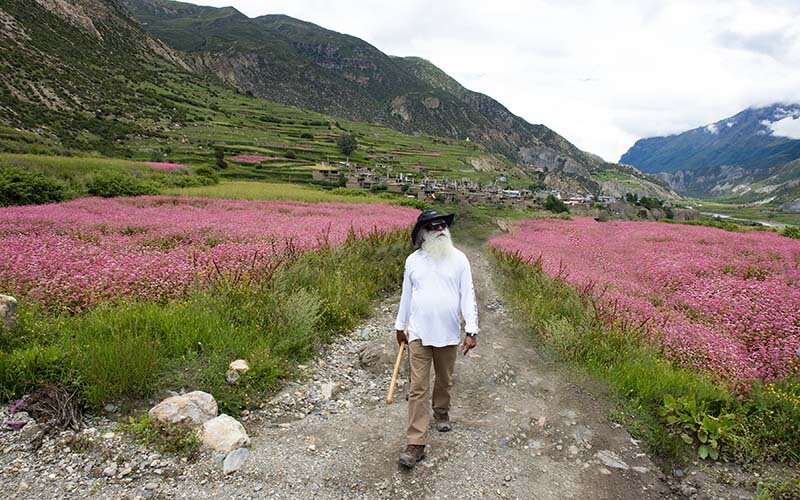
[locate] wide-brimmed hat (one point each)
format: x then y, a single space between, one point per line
426 218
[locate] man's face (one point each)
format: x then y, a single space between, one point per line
435 239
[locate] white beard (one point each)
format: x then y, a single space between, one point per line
437 244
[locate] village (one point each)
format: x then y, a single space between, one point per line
424 187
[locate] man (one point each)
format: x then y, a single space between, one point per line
437 292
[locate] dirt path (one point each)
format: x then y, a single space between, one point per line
522 429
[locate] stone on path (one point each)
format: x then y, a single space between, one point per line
8 310
194 408
235 460
224 434
611 459
330 390
378 355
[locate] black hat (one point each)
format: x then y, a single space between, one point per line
427 217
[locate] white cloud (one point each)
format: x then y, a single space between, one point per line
786 127
712 129
602 73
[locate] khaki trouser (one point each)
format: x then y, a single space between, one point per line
419 399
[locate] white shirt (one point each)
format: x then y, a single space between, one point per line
436 293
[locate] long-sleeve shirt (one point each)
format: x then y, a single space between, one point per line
436 294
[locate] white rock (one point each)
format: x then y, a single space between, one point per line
110 471
235 460
8 310
330 390
224 434
239 365
194 408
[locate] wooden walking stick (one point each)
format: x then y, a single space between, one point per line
390 397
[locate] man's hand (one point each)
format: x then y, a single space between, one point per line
469 343
402 337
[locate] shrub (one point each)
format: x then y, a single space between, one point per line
22 187
208 173
792 232
110 184
307 135
178 440
555 205
413 203
291 154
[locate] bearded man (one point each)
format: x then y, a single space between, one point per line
437 293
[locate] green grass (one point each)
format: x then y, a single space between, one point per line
765 213
80 176
248 190
131 350
766 422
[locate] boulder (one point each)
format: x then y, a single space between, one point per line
8 311
379 355
239 365
224 434
193 409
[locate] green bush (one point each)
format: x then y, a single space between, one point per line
22 187
177 440
110 184
208 173
555 205
792 232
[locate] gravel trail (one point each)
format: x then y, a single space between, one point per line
523 427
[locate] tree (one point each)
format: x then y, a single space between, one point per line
555 205
347 144
219 154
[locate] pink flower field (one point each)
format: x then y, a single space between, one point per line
723 302
165 166
75 254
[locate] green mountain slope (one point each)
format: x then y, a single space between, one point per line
298 63
82 76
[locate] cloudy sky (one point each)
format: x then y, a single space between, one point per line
601 73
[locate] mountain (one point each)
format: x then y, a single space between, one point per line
748 157
75 71
294 62
178 80
752 139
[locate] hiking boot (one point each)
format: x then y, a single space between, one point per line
413 454
442 422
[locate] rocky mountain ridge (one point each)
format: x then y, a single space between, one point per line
295 62
84 76
750 157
